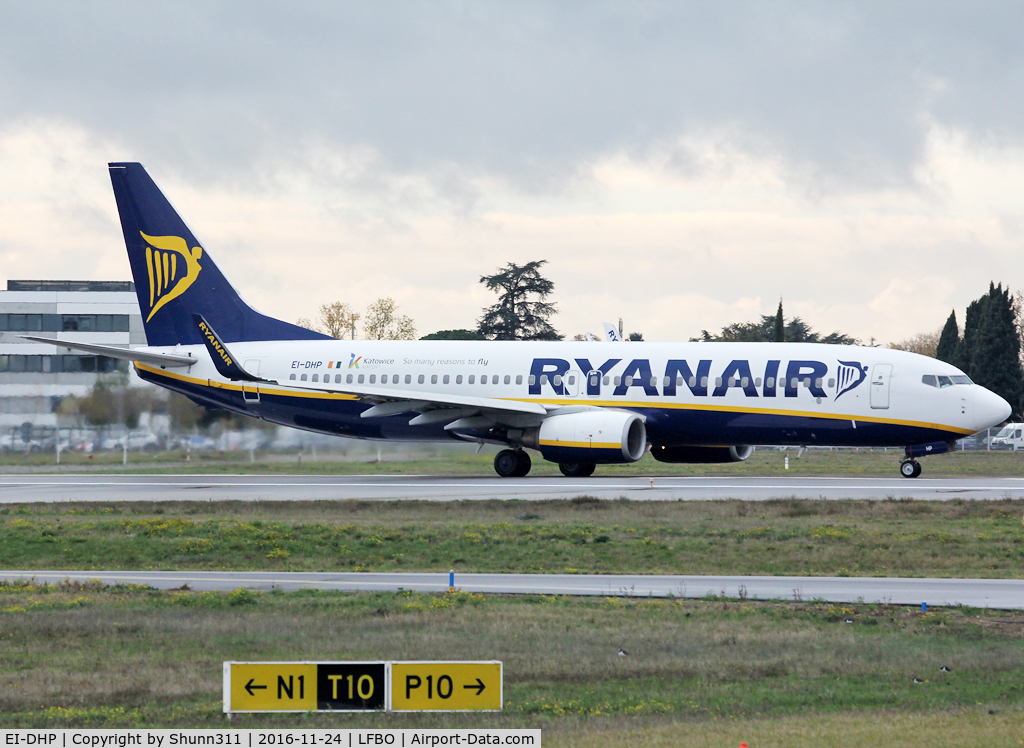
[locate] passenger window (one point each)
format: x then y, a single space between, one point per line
593 381
654 381
629 381
373 379
732 381
472 379
316 377
420 379
383 378
458 379
557 380
408 378
618 381
693 382
607 378
292 376
483 379
543 379
818 382
745 381
303 378
361 378
704 382
433 378
795 382
337 378
679 380
446 379
348 379
519 378
807 381
757 382
508 379
718 381
831 383
769 382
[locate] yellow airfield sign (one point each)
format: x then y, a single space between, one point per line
446 686
305 686
435 686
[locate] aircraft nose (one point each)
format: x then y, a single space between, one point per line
989 409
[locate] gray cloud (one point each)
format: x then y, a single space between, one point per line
528 92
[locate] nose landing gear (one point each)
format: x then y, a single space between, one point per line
910 468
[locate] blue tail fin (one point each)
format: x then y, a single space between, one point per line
176 278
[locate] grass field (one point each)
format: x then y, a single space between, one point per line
438 460
706 673
93 656
891 537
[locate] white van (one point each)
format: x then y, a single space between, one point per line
1010 436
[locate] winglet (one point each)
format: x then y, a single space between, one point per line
222 358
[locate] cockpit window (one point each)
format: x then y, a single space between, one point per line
942 381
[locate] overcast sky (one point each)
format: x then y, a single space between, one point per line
682 165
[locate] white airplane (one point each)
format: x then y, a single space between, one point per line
579 404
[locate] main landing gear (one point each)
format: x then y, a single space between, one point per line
910 468
577 469
509 463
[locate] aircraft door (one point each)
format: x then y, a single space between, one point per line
251 390
881 374
594 382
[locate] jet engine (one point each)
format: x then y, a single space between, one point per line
590 436
702 454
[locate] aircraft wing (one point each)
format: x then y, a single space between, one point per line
457 411
164 360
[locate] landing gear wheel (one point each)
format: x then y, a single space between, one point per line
506 463
577 469
910 468
524 464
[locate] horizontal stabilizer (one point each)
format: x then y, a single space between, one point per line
164 360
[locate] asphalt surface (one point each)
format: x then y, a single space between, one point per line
1004 594
114 487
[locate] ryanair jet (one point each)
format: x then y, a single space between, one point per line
579 404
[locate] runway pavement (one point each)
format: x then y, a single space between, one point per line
1004 594
116 487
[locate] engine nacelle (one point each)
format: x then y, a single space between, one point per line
703 455
598 436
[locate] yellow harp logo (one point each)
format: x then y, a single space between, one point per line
169 278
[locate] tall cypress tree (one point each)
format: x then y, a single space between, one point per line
949 341
990 350
780 325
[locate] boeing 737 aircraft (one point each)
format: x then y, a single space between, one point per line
579 404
